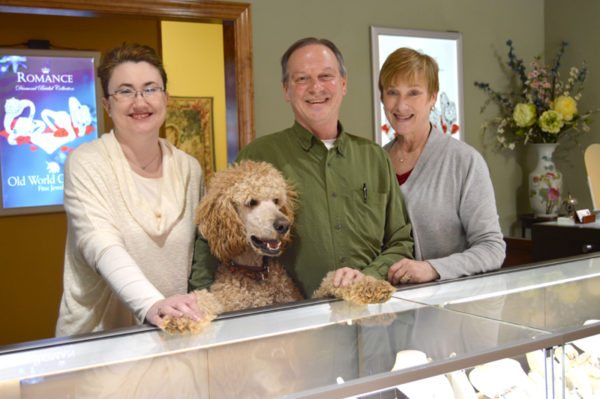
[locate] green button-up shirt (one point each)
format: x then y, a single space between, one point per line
350 209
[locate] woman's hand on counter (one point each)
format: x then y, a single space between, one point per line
181 305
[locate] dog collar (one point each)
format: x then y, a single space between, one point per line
257 273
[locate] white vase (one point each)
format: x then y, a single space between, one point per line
545 182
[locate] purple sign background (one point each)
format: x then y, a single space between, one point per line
48 108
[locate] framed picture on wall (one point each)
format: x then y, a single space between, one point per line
189 127
446 49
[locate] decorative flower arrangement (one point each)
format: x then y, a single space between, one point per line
541 107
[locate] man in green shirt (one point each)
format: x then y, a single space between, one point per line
351 217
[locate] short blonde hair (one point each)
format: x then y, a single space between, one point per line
406 63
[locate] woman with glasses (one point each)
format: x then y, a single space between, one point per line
129 199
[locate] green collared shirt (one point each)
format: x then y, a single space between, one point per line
350 209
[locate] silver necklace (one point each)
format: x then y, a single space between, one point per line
401 158
152 161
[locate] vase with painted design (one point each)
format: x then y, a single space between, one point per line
545 182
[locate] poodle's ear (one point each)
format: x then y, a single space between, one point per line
289 207
220 225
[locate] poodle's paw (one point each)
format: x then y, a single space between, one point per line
207 303
368 290
183 325
326 289
362 292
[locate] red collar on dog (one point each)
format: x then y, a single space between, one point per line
254 272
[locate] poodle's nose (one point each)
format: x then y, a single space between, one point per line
281 225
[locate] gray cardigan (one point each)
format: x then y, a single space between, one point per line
451 205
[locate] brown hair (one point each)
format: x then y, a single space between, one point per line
406 63
128 53
307 41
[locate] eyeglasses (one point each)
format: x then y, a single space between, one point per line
130 94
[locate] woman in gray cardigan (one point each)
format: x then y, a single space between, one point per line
445 182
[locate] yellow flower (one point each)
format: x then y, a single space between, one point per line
524 114
566 106
551 122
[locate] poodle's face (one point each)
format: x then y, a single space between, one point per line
248 206
265 225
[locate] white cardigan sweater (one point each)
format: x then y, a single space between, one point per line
105 209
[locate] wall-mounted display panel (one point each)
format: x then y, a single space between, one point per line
50 105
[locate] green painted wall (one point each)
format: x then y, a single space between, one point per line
576 22
485 26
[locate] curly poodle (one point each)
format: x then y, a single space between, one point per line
247 217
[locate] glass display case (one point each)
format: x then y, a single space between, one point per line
561 298
436 340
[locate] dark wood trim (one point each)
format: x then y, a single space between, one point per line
233 142
237 29
243 75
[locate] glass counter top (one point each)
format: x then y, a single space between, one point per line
503 282
327 348
66 356
556 308
292 352
558 298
